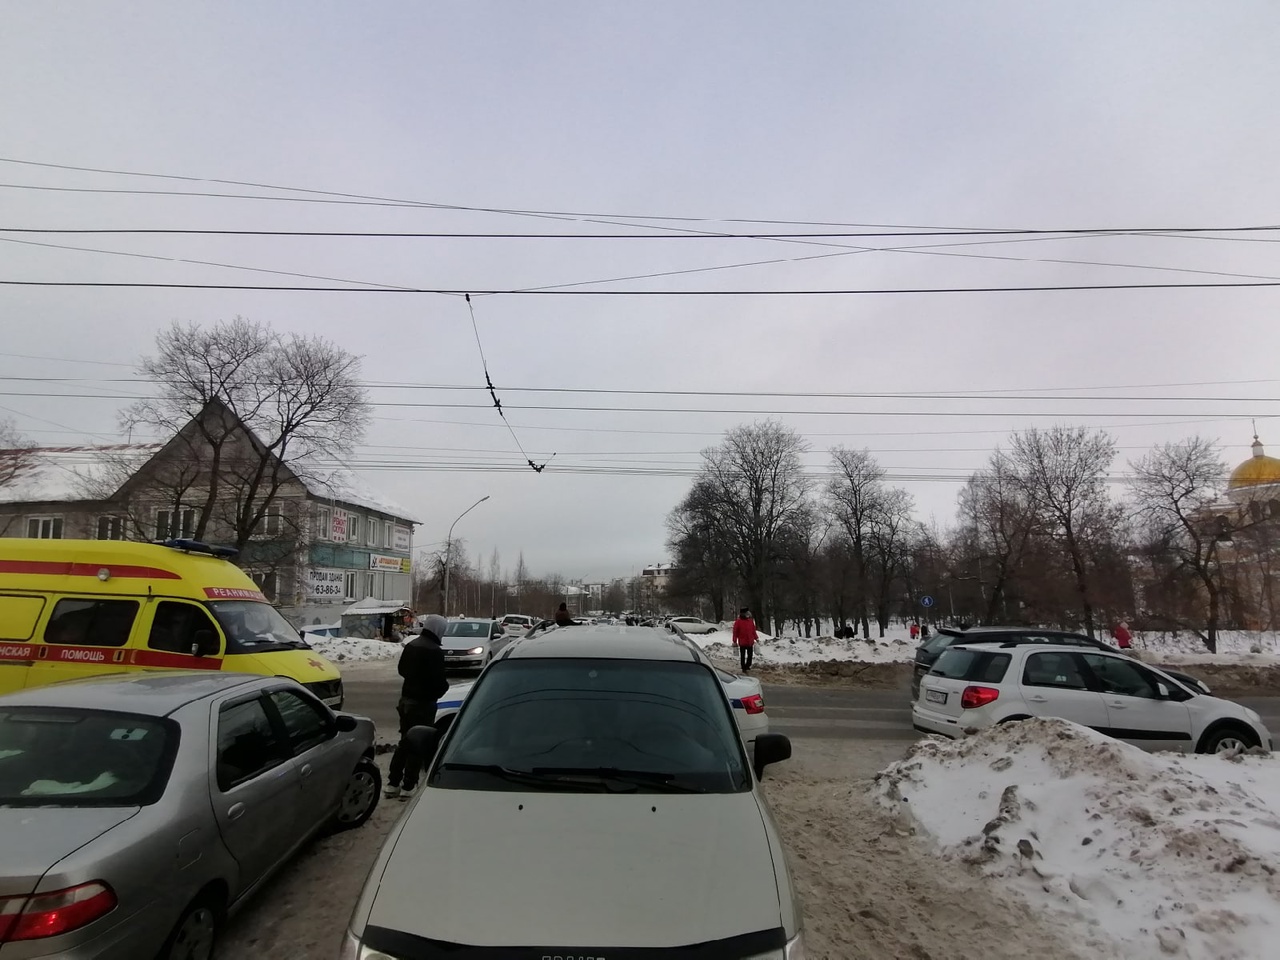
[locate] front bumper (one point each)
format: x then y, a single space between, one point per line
470 660
329 692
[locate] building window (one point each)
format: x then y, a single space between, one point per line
388 533
267 584
353 528
372 538
172 524
44 528
349 584
368 585
111 528
272 521
322 523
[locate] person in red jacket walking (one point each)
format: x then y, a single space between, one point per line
744 638
1124 639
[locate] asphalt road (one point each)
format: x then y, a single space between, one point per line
798 711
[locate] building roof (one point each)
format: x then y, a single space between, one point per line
342 486
1259 470
76 474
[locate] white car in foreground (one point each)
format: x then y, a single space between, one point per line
744 694
592 800
973 687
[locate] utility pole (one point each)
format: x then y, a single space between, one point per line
448 547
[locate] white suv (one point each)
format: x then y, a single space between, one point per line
973 687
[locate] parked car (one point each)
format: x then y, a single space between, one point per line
627 748
929 651
973 686
137 809
517 624
692 625
472 642
745 696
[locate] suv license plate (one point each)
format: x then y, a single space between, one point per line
935 696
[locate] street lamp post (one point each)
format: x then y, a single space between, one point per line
448 549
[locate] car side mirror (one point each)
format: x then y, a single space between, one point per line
205 643
346 723
770 748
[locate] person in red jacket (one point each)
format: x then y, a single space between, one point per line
744 638
1124 639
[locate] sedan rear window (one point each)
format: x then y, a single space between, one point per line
83 758
595 725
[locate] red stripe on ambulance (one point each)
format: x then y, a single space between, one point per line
61 568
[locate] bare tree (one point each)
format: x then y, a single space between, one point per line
999 511
18 456
890 538
700 549
249 410
1172 487
854 495
757 485
1062 471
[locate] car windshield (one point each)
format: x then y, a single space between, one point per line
595 725
69 757
254 627
936 643
475 629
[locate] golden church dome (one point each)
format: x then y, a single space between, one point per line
1258 470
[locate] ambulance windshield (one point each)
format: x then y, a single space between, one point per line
254 627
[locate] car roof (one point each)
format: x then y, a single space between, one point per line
989 631
1034 647
155 694
613 642
471 619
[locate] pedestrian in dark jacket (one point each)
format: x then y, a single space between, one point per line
422 667
562 616
744 638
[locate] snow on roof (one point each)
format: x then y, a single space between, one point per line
343 486
71 474
372 605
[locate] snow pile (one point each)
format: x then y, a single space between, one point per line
782 650
1241 647
1151 856
353 650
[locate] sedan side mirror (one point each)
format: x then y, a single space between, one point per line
346 723
206 643
770 748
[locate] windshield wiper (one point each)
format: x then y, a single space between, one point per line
527 777
664 782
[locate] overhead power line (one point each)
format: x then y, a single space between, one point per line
867 291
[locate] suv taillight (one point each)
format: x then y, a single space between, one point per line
753 703
53 914
974 697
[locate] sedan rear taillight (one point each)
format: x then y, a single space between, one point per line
53 914
974 697
753 703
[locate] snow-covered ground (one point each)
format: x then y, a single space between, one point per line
1148 855
349 650
1252 648
770 650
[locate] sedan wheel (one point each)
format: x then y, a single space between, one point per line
359 797
1230 744
193 938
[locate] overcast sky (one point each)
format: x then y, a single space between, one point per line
980 115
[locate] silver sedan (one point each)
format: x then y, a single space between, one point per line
137 810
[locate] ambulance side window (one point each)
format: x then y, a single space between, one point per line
91 623
174 626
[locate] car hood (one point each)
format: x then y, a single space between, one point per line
36 838
462 643
589 870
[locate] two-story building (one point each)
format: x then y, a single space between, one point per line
313 536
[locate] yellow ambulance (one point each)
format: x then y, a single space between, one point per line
79 608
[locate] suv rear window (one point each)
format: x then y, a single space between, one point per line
971 665
69 757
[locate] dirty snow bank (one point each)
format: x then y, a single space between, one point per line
1151 855
785 650
353 650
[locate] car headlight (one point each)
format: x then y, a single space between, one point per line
794 950
352 949
476 650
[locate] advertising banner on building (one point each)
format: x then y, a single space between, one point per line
402 539
387 564
339 532
325 583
